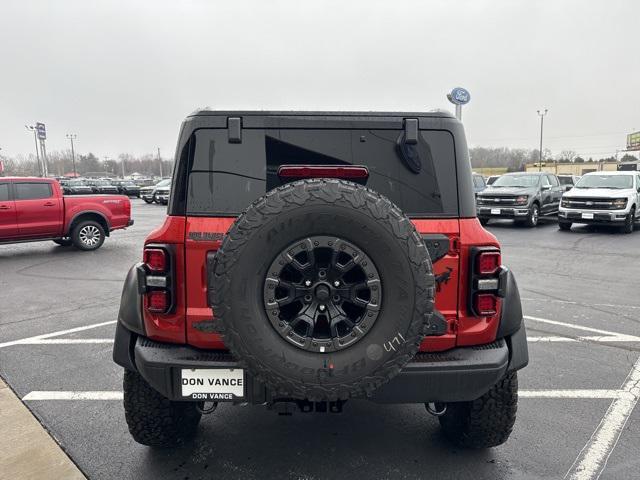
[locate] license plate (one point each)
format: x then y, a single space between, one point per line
212 384
587 216
495 211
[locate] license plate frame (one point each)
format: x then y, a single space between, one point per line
212 384
496 211
587 216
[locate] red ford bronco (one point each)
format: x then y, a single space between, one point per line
311 257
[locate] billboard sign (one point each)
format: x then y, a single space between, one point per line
42 131
633 141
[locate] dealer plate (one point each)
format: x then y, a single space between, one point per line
212 384
495 211
587 216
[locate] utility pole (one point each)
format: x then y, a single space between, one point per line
35 141
541 115
71 136
122 160
160 161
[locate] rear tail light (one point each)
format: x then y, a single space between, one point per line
486 273
488 263
155 259
485 304
346 172
158 279
157 301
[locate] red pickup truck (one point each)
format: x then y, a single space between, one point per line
34 209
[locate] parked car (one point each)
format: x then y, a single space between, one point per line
492 179
479 183
148 194
75 187
127 187
265 284
102 186
568 181
34 209
602 198
522 197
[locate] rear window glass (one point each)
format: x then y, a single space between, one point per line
32 191
4 192
225 178
565 180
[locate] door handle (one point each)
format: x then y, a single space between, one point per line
5 207
49 204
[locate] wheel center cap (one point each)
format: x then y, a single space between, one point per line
322 292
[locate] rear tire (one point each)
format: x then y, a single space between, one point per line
629 221
484 221
564 226
147 200
88 235
485 422
155 420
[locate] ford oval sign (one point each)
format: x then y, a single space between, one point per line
459 96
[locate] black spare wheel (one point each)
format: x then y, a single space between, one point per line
323 290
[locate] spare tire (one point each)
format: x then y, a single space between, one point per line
323 290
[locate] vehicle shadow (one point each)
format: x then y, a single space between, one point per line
366 441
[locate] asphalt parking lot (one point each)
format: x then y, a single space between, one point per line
576 412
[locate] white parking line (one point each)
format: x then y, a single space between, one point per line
605 335
56 395
55 334
569 302
593 458
117 395
67 341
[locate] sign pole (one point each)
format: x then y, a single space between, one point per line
459 97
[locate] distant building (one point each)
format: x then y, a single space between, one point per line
573 168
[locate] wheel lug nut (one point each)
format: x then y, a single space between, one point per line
336 283
307 283
322 308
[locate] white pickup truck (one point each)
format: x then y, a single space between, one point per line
602 198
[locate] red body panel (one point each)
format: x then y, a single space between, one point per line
196 236
51 217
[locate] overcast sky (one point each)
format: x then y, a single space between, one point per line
122 75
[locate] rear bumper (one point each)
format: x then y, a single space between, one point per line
460 374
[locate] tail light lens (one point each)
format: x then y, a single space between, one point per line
158 279
155 259
485 304
346 172
488 263
157 301
484 290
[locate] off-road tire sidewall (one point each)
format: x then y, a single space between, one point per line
154 420
359 216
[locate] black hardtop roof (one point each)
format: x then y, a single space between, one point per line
289 113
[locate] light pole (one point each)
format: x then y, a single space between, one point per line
72 136
160 160
541 115
35 141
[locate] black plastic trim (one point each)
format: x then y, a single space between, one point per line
437 244
518 349
123 347
511 311
130 313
